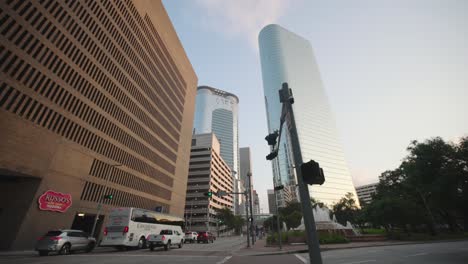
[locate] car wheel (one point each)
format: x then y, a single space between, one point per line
142 243
167 246
90 247
43 253
151 247
181 243
65 250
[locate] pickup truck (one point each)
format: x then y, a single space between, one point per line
166 238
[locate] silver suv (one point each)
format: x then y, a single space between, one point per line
64 242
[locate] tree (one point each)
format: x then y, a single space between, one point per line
291 214
229 219
271 224
346 209
316 202
430 186
462 190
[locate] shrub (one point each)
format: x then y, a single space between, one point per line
373 231
332 239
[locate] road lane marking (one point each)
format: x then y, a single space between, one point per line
362 261
418 254
224 260
301 258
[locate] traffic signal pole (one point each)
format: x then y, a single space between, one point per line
309 221
249 196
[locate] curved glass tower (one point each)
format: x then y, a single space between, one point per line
217 111
287 57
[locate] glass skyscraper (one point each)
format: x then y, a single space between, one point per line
287 57
217 111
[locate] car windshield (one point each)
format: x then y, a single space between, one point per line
53 233
165 232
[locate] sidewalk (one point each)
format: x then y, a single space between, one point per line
259 248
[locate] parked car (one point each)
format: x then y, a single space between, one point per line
64 242
166 238
190 236
205 237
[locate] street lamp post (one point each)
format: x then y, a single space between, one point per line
247 218
249 176
101 197
278 225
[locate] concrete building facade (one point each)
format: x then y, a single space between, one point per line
272 202
256 203
92 94
365 192
217 111
287 57
207 173
245 168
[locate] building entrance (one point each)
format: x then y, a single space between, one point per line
85 221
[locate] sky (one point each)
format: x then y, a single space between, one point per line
394 71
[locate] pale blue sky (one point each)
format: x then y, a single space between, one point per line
394 71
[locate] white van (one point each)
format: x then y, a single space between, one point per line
130 227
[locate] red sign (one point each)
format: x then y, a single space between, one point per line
55 201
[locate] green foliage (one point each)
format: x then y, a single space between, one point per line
291 214
323 238
429 188
232 221
346 209
273 238
373 231
271 224
332 239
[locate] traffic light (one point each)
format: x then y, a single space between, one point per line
209 194
312 173
108 196
271 138
279 187
272 155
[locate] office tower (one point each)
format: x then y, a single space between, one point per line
287 57
217 111
92 94
256 203
365 192
272 202
207 173
245 168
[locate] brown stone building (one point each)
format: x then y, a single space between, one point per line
208 172
85 85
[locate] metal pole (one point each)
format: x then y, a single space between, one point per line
247 218
208 215
99 206
309 221
252 233
277 219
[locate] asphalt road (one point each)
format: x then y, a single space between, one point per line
444 252
217 252
226 251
